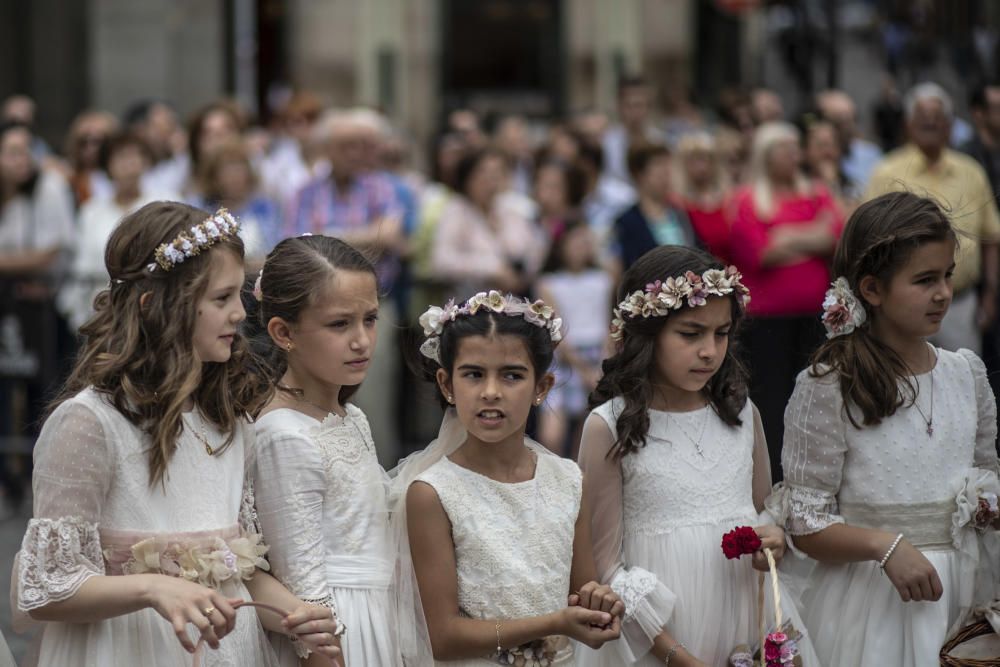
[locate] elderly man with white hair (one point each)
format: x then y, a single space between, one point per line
927 166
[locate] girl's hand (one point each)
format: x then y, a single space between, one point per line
181 602
912 574
314 626
598 597
773 538
589 627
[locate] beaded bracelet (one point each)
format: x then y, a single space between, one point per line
885 558
672 651
499 647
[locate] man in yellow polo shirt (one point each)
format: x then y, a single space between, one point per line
927 166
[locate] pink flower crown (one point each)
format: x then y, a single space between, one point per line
663 296
536 312
194 241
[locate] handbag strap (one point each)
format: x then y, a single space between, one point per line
199 648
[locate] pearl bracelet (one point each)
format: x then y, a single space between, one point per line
673 650
885 558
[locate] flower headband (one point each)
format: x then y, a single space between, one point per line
663 296
842 312
536 312
192 242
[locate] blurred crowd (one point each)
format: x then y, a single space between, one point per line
555 210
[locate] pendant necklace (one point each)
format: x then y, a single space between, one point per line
928 418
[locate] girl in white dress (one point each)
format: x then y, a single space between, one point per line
141 468
497 527
887 442
322 496
674 457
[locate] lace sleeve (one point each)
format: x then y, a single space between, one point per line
986 429
290 487
812 457
648 603
61 548
248 520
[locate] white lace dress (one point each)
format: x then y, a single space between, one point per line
322 500
658 520
893 477
513 543
96 514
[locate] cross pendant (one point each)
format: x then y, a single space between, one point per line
930 428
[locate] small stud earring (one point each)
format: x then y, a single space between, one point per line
289 347
449 398
538 401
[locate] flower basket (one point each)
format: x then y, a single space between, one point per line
953 655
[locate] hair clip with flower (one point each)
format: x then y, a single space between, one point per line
258 293
194 241
435 318
842 311
663 296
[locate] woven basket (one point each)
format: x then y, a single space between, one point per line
969 632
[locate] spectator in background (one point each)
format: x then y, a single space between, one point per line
89 131
359 206
785 228
681 115
479 244
928 167
635 127
125 157
227 179
293 159
821 150
512 138
766 106
590 125
155 122
703 191
654 219
858 155
984 105
211 126
21 109
563 143
605 199
559 191
467 125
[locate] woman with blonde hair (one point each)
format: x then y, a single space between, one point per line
703 190
784 230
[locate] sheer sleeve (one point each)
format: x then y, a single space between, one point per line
61 548
290 491
986 429
648 603
248 520
812 457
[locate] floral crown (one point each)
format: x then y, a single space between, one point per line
195 240
536 312
842 312
663 296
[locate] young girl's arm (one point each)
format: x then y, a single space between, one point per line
813 460
648 603
453 636
312 624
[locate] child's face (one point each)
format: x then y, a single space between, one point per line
692 345
917 297
550 189
334 338
493 386
578 248
220 309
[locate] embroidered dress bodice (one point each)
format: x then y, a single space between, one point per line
513 542
670 482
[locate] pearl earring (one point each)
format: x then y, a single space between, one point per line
449 398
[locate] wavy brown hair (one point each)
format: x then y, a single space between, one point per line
877 241
628 373
137 350
294 274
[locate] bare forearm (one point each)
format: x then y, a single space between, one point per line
100 598
841 543
460 637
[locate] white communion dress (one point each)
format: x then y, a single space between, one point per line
96 514
900 476
659 515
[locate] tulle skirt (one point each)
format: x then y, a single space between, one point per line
857 618
146 638
716 606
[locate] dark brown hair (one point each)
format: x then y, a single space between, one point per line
141 355
628 373
877 241
640 156
294 274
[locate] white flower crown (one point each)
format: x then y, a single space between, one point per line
663 296
195 240
842 312
536 312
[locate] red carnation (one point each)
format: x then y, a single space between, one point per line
740 540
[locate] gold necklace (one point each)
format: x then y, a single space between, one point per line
300 396
203 437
